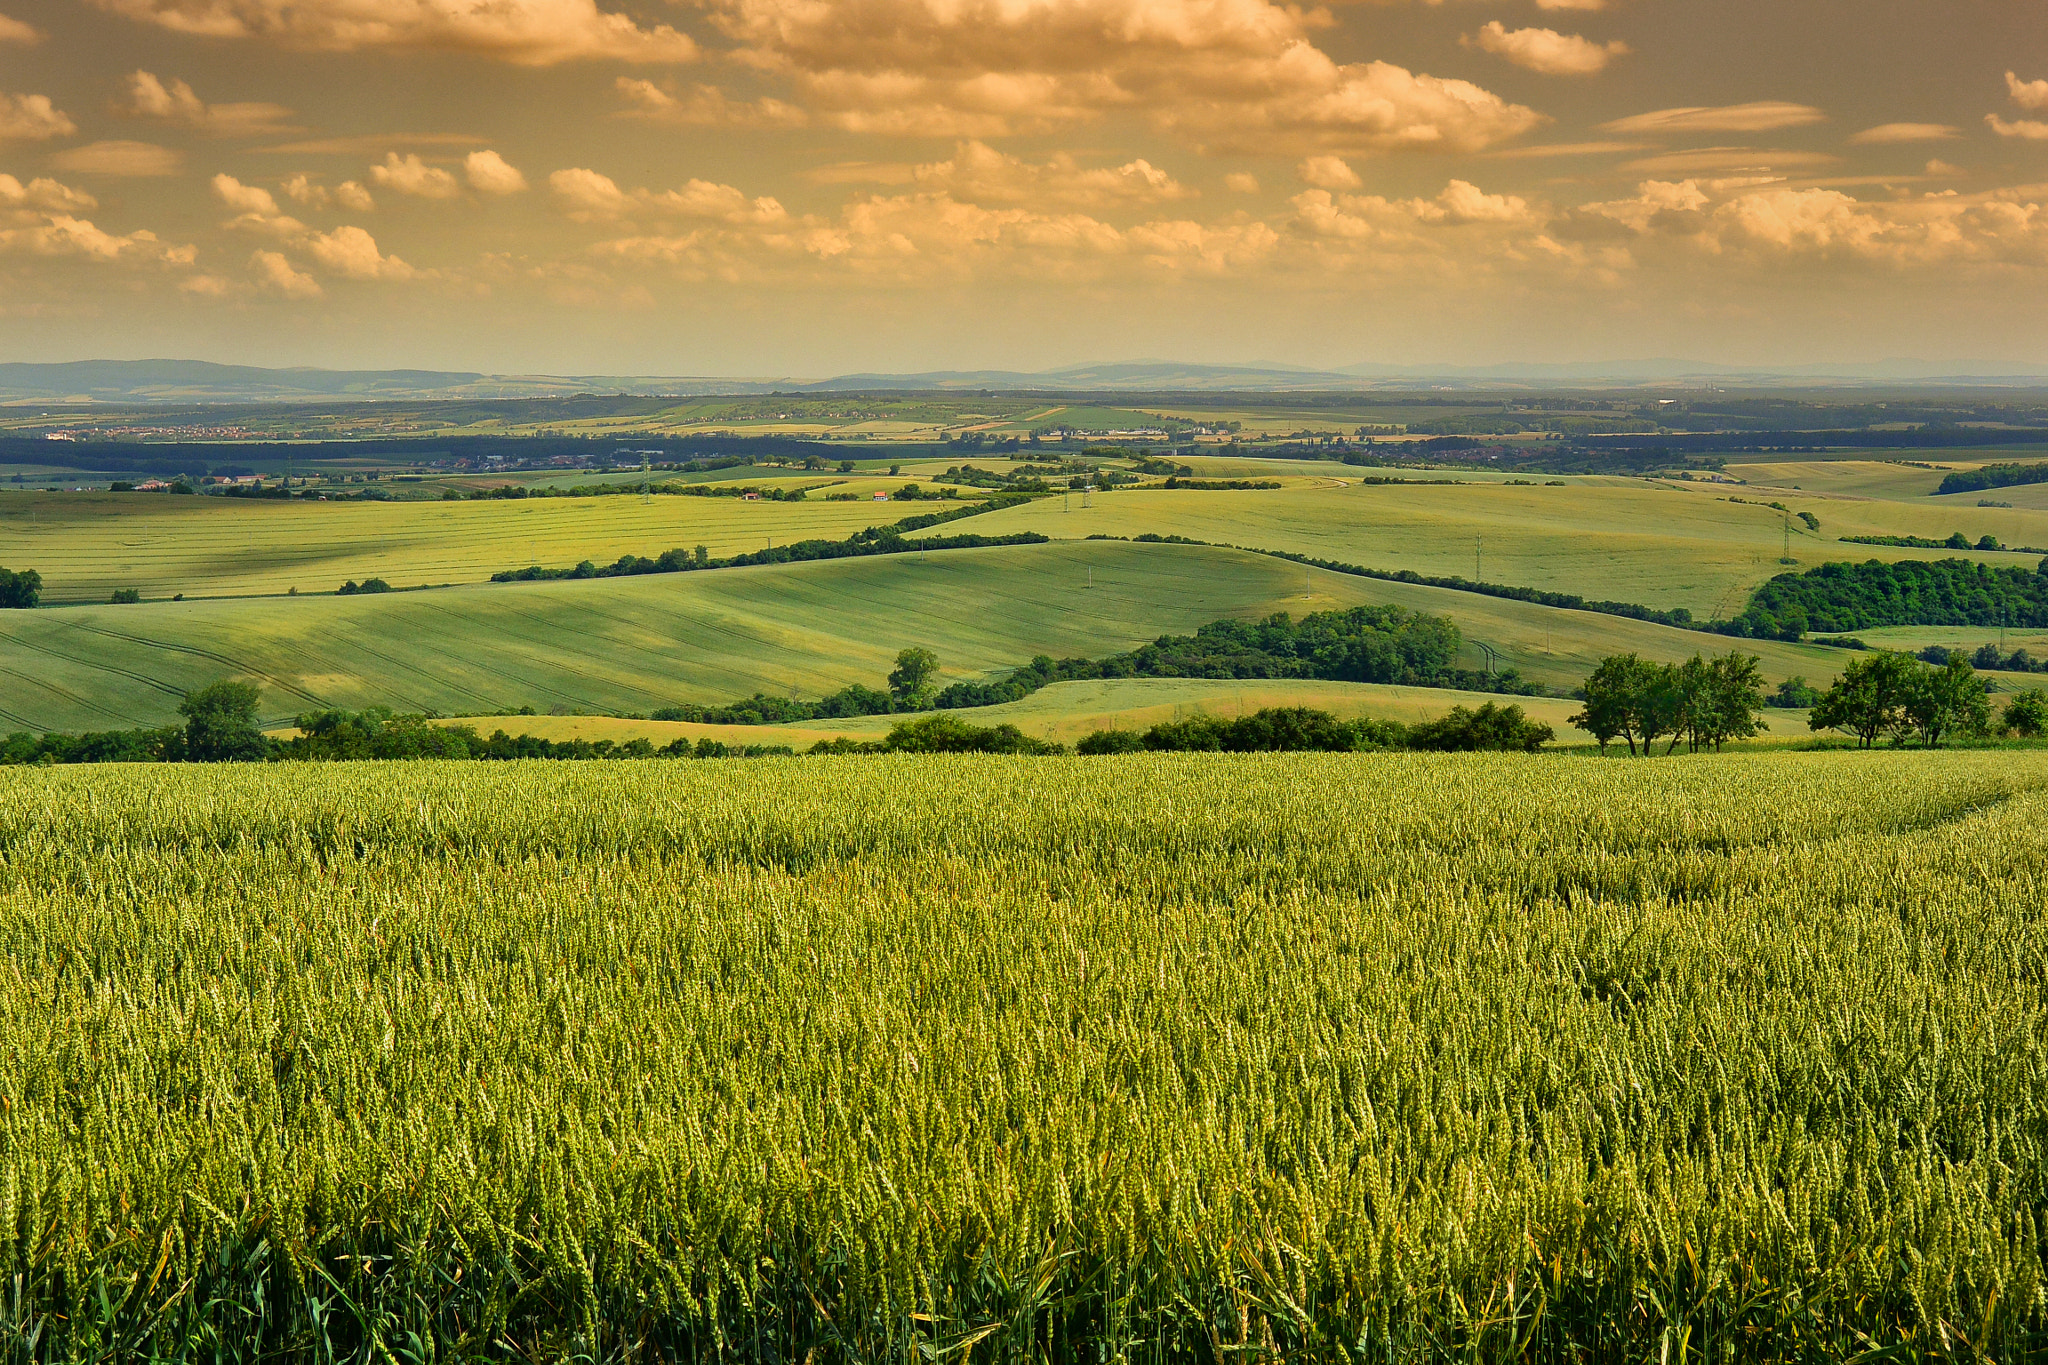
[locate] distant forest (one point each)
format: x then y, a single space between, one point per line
1946 592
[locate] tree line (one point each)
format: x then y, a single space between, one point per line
1386 644
1705 703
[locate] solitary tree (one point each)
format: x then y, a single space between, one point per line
20 589
220 724
912 678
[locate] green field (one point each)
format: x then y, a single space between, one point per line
635 644
1662 545
1160 1058
86 545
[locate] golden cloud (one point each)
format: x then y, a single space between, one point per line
408 174
1886 134
276 273
176 103
44 196
489 173
139 159
1329 173
2030 130
1221 72
589 195
704 106
2027 94
980 173
526 32
32 118
1760 116
15 31
1548 51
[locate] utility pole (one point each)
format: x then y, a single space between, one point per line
1477 576
1786 557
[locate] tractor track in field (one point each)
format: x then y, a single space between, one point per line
224 660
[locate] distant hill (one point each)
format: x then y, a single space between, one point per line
199 381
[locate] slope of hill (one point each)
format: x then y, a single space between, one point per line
635 644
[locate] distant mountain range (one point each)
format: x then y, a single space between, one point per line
198 381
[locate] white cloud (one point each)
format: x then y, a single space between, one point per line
1761 116
15 31
1548 51
32 118
150 97
527 32
409 175
1887 133
139 159
1329 173
277 274
353 197
2027 94
490 173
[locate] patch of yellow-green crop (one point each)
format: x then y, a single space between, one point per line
636 644
86 545
1174 1058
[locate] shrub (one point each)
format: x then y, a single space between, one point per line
1112 742
944 733
2026 715
124 596
1491 727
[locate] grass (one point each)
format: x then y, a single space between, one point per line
635 644
85 545
1162 1058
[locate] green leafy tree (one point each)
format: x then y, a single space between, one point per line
1869 699
1611 695
1945 701
1729 701
1630 698
911 680
1794 694
22 588
2027 714
220 724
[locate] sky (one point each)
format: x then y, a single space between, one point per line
812 187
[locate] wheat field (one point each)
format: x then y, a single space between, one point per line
1188 1058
